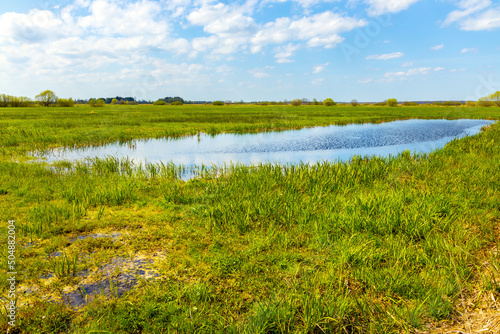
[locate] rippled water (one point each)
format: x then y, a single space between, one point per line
330 143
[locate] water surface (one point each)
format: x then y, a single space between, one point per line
309 145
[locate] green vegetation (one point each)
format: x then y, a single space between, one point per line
218 103
329 102
296 102
66 103
46 98
374 245
160 103
392 102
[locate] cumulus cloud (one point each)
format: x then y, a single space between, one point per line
437 47
377 7
386 56
467 7
317 30
487 20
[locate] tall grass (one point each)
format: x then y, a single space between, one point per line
380 245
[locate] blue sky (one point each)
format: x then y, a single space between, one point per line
369 50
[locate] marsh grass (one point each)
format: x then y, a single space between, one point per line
371 245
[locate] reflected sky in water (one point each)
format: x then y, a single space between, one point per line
311 145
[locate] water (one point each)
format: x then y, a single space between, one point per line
310 145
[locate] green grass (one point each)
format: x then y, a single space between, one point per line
374 245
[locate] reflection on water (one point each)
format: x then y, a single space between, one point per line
311 145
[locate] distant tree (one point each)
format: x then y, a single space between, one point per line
495 98
410 104
92 102
485 102
176 103
329 102
99 103
392 102
470 103
114 101
451 103
218 103
65 102
46 98
160 102
354 103
296 102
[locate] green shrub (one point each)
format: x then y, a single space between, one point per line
392 102
329 102
410 104
100 103
65 102
354 103
218 103
296 102
451 103
176 103
160 103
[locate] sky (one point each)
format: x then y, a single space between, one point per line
269 50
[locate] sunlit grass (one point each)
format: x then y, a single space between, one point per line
371 245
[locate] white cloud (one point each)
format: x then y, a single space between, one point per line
320 68
131 19
488 20
261 75
318 30
439 68
407 64
377 7
437 47
284 53
318 82
411 72
365 81
466 50
386 56
467 7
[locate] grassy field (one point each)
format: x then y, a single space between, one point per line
374 245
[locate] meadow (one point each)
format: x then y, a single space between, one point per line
402 244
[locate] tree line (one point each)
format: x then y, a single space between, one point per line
49 98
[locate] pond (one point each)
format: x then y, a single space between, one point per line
308 145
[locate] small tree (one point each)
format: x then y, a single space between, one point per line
495 98
160 102
92 102
46 98
354 103
100 103
296 102
218 103
392 102
329 102
176 103
65 102
114 101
